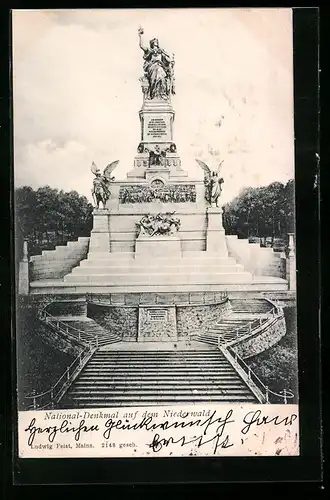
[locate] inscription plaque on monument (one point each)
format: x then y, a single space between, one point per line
157 126
157 315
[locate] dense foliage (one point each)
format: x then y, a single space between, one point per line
49 217
263 212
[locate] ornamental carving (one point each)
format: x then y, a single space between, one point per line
160 224
170 193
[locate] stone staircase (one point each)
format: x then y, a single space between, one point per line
251 306
229 329
140 378
60 261
89 329
123 269
236 324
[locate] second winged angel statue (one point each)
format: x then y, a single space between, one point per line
213 183
101 192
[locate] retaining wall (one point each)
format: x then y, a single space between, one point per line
59 262
261 341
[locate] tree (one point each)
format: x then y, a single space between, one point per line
48 217
264 212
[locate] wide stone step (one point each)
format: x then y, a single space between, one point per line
159 368
158 386
202 353
109 378
175 372
160 278
162 359
115 270
178 392
137 400
187 257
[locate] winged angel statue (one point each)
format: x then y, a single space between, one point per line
212 183
100 191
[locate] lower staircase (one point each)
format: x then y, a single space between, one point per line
88 329
229 329
238 322
251 306
141 378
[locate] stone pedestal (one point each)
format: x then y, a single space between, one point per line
100 234
148 247
215 233
23 279
23 276
291 263
157 118
157 324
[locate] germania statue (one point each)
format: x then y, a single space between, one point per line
101 192
158 69
213 183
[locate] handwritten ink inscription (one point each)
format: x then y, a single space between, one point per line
162 432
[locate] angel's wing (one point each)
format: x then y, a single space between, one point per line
219 167
204 166
109 169
94 169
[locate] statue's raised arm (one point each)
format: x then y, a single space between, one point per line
141 44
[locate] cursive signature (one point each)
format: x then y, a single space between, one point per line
53 430
255 418
158 443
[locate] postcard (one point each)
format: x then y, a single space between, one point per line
155 233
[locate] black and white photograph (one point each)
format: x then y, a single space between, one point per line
155 232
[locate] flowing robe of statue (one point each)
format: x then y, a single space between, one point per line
214 185
155 66
158 68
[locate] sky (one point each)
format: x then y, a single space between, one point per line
76 93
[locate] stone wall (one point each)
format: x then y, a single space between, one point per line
121 321
54 264
193 320
60 342
261 341
256 259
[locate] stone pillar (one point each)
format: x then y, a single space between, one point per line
291 263
100 234
215 233
23 278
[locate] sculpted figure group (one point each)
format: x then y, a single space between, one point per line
160 224
166 194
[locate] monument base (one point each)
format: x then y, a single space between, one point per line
157 246
100 234
215 234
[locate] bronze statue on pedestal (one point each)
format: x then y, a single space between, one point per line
213 183
100 191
